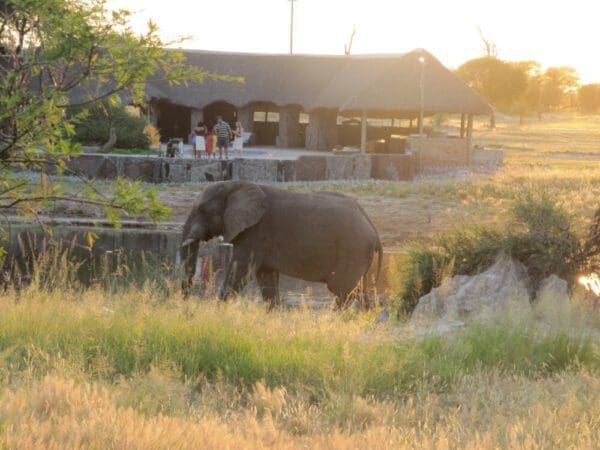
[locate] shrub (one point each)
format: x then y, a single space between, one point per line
539 235
93 127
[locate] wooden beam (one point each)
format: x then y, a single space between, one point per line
469 137
462 125
363 132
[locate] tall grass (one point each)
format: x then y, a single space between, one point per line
486 410
134 332
92 369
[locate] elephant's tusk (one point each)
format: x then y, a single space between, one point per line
188 242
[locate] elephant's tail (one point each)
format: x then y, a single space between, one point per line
379 250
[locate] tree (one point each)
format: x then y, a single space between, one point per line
56 55
348 46
489 47
499 82
589 98
94 127
559 86
530 98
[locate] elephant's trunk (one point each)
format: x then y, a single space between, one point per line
193 233
189 257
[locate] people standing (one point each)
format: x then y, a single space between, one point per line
210 147
223 132
199 140
238 140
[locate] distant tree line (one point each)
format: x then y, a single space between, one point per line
523 88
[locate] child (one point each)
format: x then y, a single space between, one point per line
238 140
199 141
209 143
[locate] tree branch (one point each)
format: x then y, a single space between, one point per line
59 198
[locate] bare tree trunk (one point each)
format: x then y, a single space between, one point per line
112 140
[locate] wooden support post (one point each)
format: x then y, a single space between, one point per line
462 125
469 137
363 132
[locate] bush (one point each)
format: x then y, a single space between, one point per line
539 235
93 127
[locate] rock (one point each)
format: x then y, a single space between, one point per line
255 170
141 169
286 170
204 171
362 167
339 167
552 298
311 168
500 289
393 167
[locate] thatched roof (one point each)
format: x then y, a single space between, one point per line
382 84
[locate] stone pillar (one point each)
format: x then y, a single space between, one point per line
322 131
363 132
196 115
245 115
289 127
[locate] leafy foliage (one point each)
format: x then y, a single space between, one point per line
499 82
64 55
520 86
94 127
589 98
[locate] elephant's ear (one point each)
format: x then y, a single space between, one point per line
245 207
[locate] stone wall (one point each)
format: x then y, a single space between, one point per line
438 152
258 170
392 167
150 170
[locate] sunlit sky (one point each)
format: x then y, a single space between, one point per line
551 32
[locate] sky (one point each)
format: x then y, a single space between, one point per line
551 32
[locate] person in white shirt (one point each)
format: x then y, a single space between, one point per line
238 139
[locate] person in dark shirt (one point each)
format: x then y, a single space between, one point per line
223 132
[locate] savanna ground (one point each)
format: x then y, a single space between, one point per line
141 368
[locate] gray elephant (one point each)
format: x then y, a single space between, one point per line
319 237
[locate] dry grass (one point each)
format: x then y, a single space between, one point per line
97 370
485 410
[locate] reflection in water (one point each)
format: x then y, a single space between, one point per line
121 256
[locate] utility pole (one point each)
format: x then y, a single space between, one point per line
292 25
421 95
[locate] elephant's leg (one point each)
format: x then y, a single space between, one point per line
268 280
237 272
343 280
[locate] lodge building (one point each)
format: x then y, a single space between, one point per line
313 101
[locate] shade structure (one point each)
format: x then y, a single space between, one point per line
384 85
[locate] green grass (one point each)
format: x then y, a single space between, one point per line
321 353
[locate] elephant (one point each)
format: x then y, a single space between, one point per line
317 237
